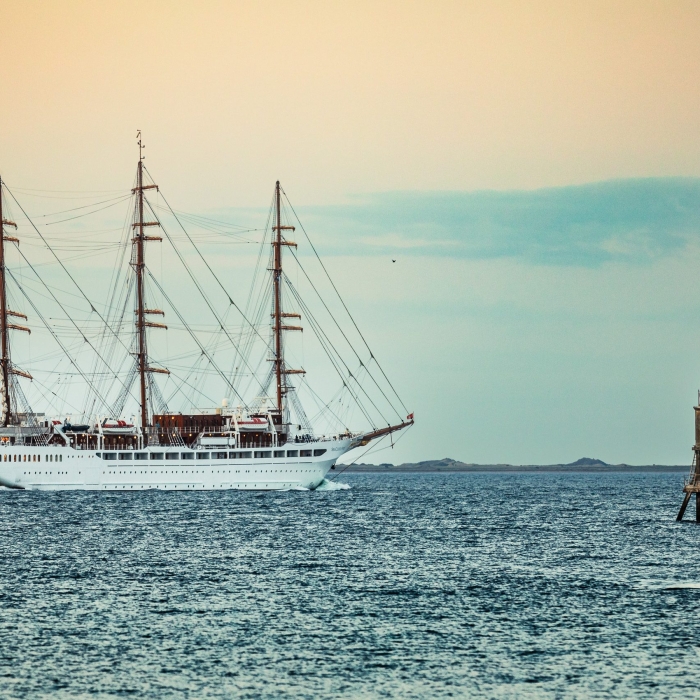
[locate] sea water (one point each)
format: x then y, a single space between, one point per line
397 586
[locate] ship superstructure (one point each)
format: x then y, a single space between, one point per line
262 442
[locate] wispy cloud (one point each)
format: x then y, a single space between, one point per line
626 220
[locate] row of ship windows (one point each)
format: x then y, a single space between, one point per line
212 472
31 458
238 471
48 473
257 454
193 486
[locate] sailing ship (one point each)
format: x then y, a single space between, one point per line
265 442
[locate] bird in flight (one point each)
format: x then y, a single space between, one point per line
393 261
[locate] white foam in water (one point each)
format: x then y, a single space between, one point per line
682 586
327 485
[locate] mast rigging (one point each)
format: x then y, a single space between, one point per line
5 325
3 321
235 436
139 264
277 242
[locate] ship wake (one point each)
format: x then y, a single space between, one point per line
328 485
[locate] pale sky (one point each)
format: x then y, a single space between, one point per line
522 325
343 97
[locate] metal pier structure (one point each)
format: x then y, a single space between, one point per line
692 482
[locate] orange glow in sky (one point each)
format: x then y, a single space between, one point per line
342 97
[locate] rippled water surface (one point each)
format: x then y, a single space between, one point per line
526 585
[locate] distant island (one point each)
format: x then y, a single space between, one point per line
585 464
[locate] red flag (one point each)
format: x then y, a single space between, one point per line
409 416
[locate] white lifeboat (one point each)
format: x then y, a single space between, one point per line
116 427
253 424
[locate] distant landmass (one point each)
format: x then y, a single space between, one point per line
585 464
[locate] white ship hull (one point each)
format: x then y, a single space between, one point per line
55 468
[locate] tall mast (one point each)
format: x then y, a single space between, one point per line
277 278
140 316
138 262
5 363
5 359
277 314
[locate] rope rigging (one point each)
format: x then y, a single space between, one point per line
193 278
208 266
325 343
194 337
350 316
111 351
362 364
63 267
55 336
